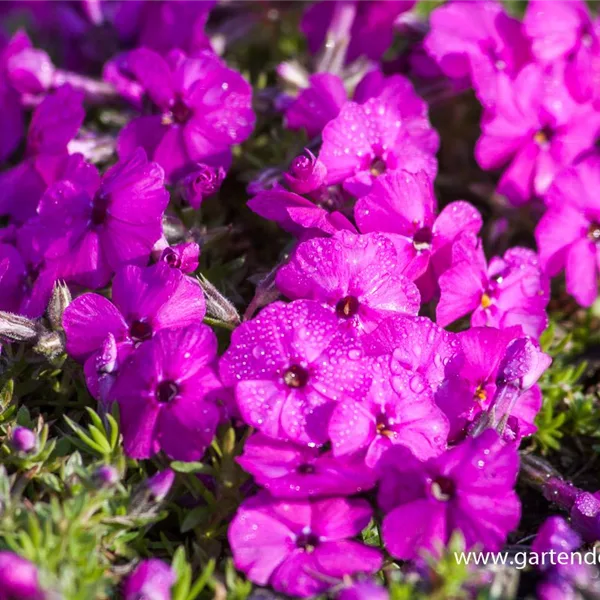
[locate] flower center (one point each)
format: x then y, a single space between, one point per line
480 393
486 301
172 258
166 391
443 488
377 167
594 232
100 208
305 469
301 165
178 113
382 427
543 136
307 541
295 377
140 330
422 238
347 307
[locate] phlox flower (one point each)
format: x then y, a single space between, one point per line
402 205
478 41
19 578
53 124
144 301
184 257
87 228
165 392
289 366
387 132
13 275
152 579
511 290
402 412
298 547
200 109
568 234
360 276
535 129
468 489
287 470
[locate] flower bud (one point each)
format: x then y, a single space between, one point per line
152 579
18 578
160 484
217 306
306 174
182 256
203 181
106 476
29 70
17 328
60 299
23 439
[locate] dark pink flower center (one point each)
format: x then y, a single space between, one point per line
422 238
383 426
301 166
305 469
543 136
377 167
172 258
140 330
307 541
100 208
443 488
180 111
594 232
295 376
166 391
347 307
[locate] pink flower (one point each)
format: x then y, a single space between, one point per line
535 129
395 411
402 205
360 276
569 233
287 470
151 579
201 109
289 366
89 226
298 547
387 132
468 489
165 393
512 290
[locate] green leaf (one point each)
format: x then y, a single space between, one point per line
191 467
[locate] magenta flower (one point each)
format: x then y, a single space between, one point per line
536 129
152 578
568 234
160 484
565 30
297 215
360 276
299 547
472 387
468 489
23 439
512 290
287 470
363 590
403 205
390 131
201 109
289 366
201 182
18 578
369 25
402 412
165 393
53 124
479 41
146 300
90 227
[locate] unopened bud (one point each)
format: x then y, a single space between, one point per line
18 328
217 306
306 174
182 256
203 181
106 476
159 485
23 439
61 298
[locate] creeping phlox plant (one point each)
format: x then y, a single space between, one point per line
282 305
